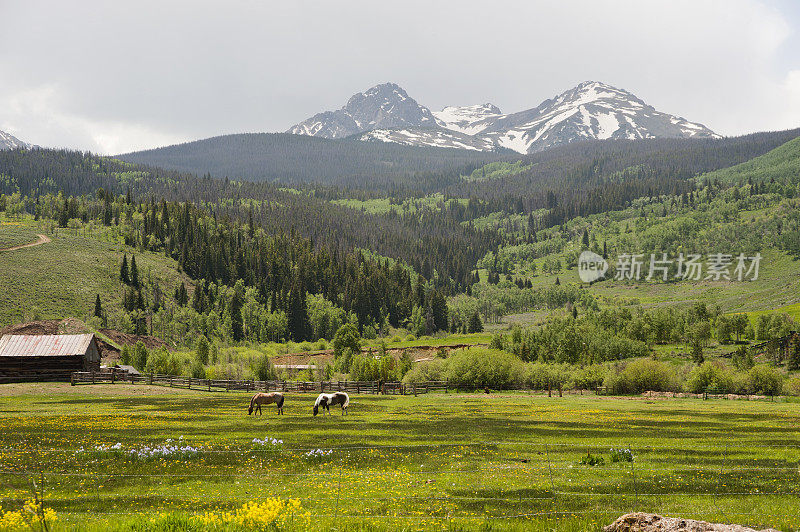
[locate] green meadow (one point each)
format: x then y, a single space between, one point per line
510 461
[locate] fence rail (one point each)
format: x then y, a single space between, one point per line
357 387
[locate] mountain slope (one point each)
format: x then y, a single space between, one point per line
781 164
385 106
9 142
589 111
468 119
293 159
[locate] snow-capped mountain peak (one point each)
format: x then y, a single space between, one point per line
469 119
384 106
10 142
592 110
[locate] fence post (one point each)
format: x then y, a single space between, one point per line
72 379
208 381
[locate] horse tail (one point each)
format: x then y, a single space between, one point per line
346 400
280 400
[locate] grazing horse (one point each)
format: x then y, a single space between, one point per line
326 400
266 399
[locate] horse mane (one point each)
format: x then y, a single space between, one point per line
253 400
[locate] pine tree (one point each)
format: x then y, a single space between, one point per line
237 324
123 271
181 297
475 323
439 309
134 272
98 307
297 313
585 240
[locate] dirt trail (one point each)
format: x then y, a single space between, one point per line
43 239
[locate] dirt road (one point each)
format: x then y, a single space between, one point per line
43 239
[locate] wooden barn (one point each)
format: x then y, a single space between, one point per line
47 357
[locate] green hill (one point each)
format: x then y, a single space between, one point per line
781 164
62 278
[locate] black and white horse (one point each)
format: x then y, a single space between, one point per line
327 400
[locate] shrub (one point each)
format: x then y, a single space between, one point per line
432 370
592 460
139 356
793 385
641 376
765 380
163 362
202 350
126 355
198 371
263 370
477 368
589 377
621 455
542 376
711 377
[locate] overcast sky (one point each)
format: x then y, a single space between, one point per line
117 76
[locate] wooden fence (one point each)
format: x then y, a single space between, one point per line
357 387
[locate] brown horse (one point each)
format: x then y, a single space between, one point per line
266 399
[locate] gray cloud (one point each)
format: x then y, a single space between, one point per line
117 76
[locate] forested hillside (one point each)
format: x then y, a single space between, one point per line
299 159
592 177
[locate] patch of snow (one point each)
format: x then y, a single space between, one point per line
608 124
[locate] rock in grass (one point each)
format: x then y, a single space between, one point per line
642 522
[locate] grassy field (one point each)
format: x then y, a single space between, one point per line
15 233
443 461
61 278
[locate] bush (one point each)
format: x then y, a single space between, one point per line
542 376
592 459
139 356
793 385
478 368
263 370
432 370
765 380
203 350
642 376
198 371
589 377
621 455
711 377
163 362
126 355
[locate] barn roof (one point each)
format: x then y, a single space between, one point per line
52 345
